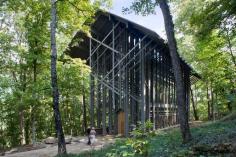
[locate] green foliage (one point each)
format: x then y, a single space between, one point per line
122 149
137 145
140 146
206 39
143 7
25 90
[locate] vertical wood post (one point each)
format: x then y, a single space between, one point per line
104 100
147 85
113 77
152 89
142 106
91 98
126 102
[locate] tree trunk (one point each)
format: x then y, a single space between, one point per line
208 104
34 106
230 47
180 90
194 105
55 92
21 112
229 106
84 110
212 103
232 92
22 127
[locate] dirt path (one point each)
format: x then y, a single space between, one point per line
74 147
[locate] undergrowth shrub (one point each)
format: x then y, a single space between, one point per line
137 145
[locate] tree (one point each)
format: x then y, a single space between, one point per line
209 34
195 113
24 73
180 91
55 92
146 7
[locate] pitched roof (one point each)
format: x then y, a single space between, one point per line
102 25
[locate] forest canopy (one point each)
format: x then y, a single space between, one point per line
25 90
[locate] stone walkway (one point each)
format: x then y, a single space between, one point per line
74 148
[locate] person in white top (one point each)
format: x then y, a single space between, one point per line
92 135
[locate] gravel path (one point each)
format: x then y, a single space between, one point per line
74 147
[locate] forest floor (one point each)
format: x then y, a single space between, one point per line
210 139
74 147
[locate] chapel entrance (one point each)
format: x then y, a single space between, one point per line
121 122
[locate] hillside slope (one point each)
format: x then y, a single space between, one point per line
209 139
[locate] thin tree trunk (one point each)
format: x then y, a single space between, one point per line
216 107
34 106
194 105
180 90
208 104
84 109
232 92
55 92
230 48
212 102
21 112
33 127
22 126
229 106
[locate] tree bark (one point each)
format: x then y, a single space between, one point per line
212 102
21 111
208 104
230 47
180 90
35 99
84 110
194 105
22 127
229 106
55 92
